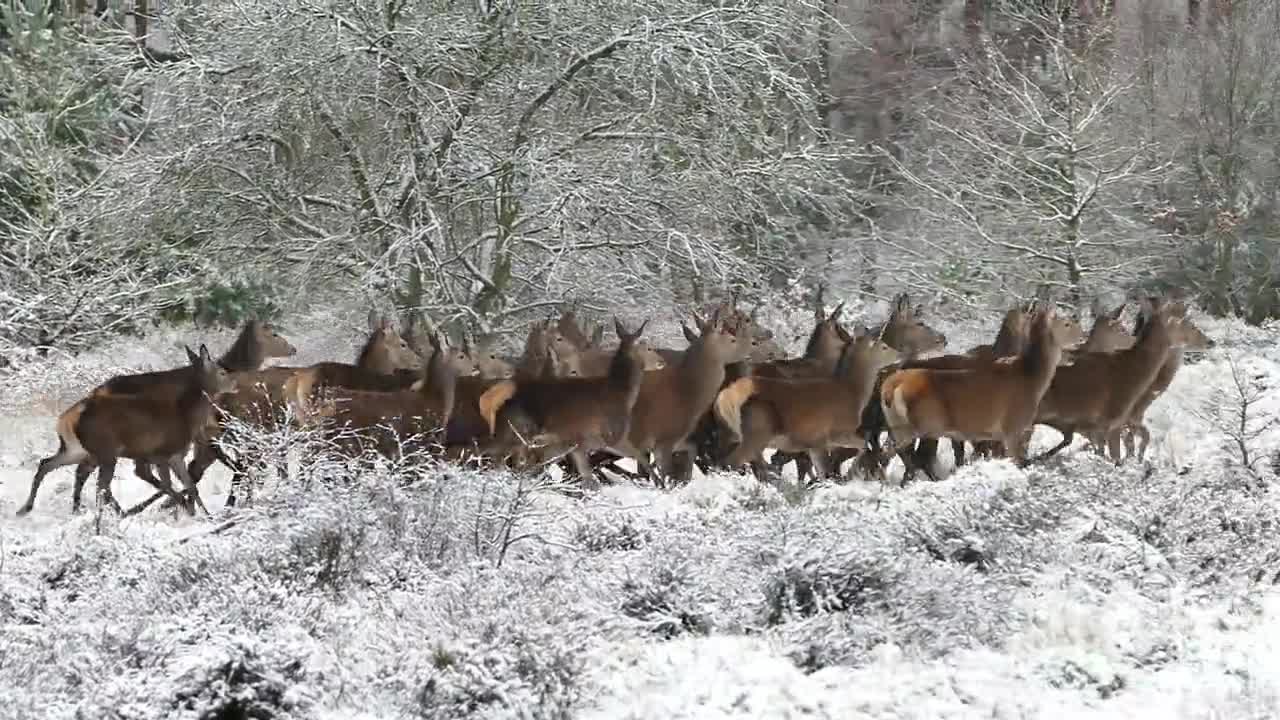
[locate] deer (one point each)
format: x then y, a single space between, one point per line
386 361
1195 339
484 352
904 331
995 400
574 415
1106 335
1010 340
387 420
671 400
466 431
821 353
256 343
1098 392
804 415
156 428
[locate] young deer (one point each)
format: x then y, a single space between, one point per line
1194 339
577 415
388 420
673 399
257 342
1099 390
804 415
154 428
991 401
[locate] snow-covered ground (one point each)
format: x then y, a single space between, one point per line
1072 589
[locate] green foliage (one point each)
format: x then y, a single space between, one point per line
227 304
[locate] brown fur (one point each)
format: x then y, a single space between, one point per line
256 343
152 427
386 361
388 421
569 414
672 399
803 415
1099 390
992 401
1135 426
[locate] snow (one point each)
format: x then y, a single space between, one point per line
1069 589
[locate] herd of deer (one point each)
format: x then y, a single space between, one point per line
719 403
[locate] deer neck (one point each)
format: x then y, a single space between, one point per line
1040 358
195 406
701 374
1008 342
1149 353
245 354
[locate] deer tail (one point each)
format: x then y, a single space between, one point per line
893 402
729 404
66 429
297 391
493 399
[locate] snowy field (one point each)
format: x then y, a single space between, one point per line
1072 589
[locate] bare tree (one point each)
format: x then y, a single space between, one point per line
1216 102
1236 414
68 276
485 159
1024 169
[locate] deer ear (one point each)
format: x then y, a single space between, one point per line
373 319
835 314
640 330
689 334
385 323
204 354
618 329
192 358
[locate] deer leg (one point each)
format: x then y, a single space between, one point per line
663 455
957 451
63 457
106 472
163 486
583 467
83 471
1113 446
1068 435
1017 449
818 461
1140 429
179 465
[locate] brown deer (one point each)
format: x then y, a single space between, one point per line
490 364
906 332
467 434
822 352
1098 392
673 399
256 343
1194 339
1106 335
150 427
804 415
388 421
992 401
574 415
1011 339
386 362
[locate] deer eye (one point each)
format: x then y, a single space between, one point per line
493 356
